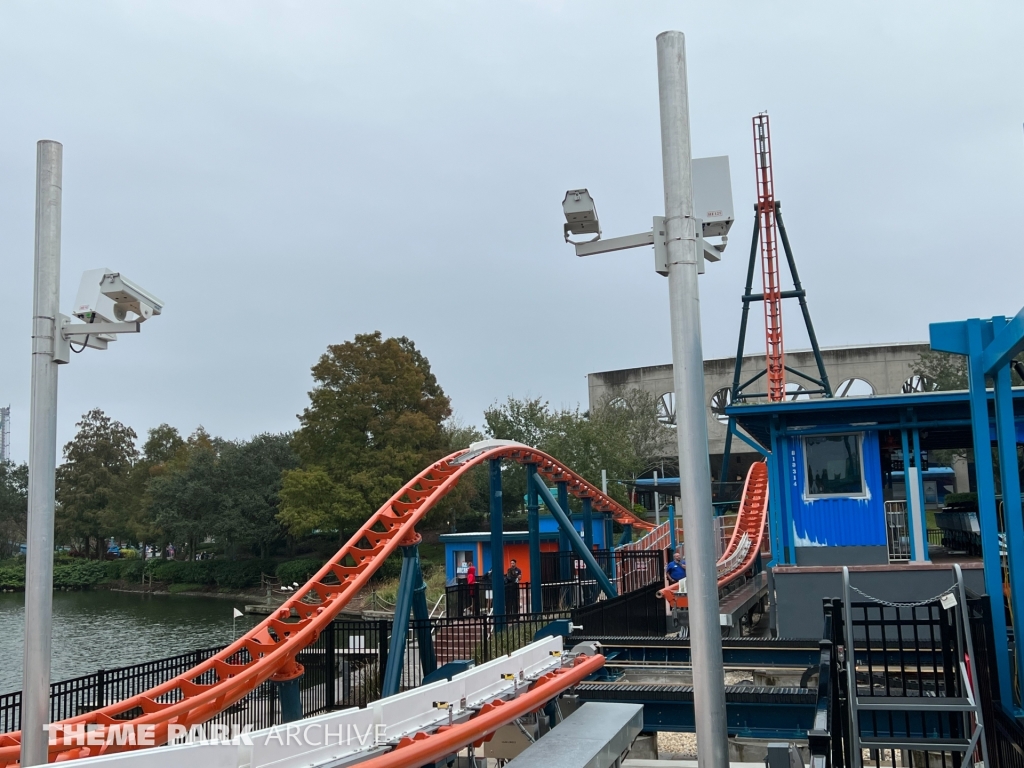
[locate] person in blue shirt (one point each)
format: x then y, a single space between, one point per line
676 570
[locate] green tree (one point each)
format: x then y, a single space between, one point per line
945 371
13 507
622 436
93 490
186 497
941 370
373 422
251 491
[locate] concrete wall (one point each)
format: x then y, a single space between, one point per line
885 367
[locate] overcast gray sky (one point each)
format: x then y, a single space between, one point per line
288 174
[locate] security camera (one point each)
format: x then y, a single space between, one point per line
129 297
91 305
580 214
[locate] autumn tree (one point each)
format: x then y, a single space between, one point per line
93 489
373 422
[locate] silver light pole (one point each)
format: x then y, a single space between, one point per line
691 423
35 703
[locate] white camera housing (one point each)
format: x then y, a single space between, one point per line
580 214
129 297
90 304
105 296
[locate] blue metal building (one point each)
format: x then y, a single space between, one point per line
828 460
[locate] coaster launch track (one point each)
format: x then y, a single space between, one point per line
269 650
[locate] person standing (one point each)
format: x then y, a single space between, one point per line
676 569
471 586
512 577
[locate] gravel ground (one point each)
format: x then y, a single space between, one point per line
677 746
683 746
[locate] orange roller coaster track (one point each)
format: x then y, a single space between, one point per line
745 542
269 650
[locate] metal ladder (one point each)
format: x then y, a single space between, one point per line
968 706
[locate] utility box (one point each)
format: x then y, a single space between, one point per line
712 194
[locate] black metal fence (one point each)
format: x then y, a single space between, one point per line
343 668
908 652
638 613
566 583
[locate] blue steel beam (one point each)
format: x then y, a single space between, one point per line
577 544
564 542
756 713
1007 343
1009 480
497 545
989 345
407 584
588 524
533 528
627 535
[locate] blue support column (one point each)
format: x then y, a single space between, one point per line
990 347
627 535
564 542
407 584
987 507
672 527
577 544
912 511
421 612
288 696
588 524
919 525
497 546
1009 480
533 527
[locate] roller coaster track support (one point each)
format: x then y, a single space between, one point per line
269 650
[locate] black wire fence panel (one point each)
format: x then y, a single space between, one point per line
343 668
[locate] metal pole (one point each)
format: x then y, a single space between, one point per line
691 418
42 462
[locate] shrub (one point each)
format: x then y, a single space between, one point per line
79 574
237 574
298 570
12 574
125 570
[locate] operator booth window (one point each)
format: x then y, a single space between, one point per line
834 466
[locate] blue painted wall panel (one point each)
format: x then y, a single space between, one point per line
836 521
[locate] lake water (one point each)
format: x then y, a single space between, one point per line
100 629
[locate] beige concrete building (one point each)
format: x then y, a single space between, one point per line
877 369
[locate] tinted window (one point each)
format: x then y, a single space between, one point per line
833 465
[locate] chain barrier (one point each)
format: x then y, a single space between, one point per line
891 604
